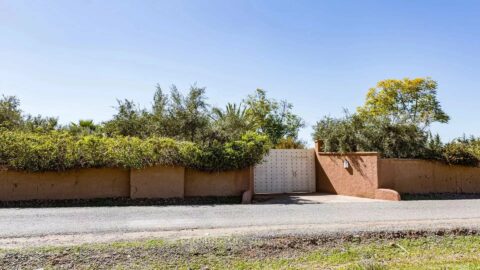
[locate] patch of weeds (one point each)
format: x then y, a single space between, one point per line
409 251
368 265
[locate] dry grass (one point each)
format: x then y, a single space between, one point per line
421 252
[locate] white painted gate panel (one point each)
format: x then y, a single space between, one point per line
286 171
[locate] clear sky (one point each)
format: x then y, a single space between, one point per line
73 59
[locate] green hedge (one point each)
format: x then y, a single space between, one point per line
58 151
459 154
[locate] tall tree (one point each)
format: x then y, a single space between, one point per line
11 117
83 127
410 101
40 123
188 115
159 116
273 118
10 113
160 102
232 121
130 120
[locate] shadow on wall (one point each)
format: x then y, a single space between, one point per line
369 176
353 174
323 183
355 164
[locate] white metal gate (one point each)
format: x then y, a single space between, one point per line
286 171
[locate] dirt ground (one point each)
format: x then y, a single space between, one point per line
196 253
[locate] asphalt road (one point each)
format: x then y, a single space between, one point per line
182 221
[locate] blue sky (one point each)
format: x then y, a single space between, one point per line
73 59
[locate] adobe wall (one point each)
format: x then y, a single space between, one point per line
229 183
359 179
157 182
152 182
422 176
366 176
72 184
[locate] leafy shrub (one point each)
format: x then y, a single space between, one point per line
183 117
10 113
353 134
190 118
57 151
458 154
290 143
472 144
35 152
474 148
392 140
338 134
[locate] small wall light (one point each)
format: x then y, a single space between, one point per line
346 164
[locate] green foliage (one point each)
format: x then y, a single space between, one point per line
11 118
10 113
354 134
39 123
392 140
60 150
338 134
247 151
456 153
35 151
462 151
394 122
189 118
178 129
130 120
407 101
232 121
434 147
183 117
188 115
472 145
290 143
83 127
273 118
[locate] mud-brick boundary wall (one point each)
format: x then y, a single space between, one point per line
152 182
414 176
367 175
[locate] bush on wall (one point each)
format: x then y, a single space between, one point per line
395 122
472 144
354 134
459 154
57 151
392 140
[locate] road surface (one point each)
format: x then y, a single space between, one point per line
34 226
